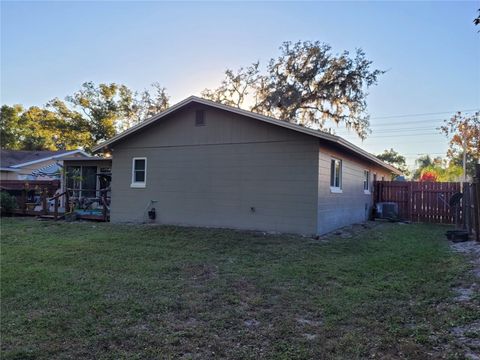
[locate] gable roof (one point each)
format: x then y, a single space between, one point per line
194 99
14 159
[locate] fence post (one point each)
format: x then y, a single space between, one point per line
410 201
55 213
24 201
67 202
466 207
476 201
44 201
104 203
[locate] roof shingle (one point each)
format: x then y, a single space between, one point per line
10 158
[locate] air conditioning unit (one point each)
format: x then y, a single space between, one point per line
387 210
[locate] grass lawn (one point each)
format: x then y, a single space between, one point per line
104 291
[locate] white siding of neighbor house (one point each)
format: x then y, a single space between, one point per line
214 175
352 205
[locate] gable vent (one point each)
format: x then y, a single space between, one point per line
199 118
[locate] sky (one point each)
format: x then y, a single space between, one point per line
430 51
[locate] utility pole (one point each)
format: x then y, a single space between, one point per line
464 160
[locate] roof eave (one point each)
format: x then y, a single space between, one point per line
267 119
9 169
51 158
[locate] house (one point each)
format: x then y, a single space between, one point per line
34 165
201 163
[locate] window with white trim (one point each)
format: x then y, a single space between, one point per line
139 172
366 180
335 174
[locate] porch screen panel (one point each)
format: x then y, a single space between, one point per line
89 181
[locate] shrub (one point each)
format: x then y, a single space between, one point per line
8 203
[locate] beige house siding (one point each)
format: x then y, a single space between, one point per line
8 175
233 172
352 205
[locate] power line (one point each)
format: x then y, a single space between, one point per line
402 135
430 153
407 122
397 135
421 114
395 130
400 130
414 142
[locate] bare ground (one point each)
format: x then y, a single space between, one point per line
467 336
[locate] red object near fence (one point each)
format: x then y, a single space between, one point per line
429 176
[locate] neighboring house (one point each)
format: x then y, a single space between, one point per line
201 163
34 165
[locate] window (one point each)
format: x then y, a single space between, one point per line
139 172
336 175
199 118
366 181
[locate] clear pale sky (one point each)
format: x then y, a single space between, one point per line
430 49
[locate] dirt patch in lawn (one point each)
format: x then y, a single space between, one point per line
467 336
201 272
353 230
472 250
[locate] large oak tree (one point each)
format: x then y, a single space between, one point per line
306 84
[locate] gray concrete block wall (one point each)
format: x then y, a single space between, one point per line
214 175
352 205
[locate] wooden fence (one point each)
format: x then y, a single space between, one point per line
421 201
26 191
470 215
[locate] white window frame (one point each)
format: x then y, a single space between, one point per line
336 189
138 184
366 181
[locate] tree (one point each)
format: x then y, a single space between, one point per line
423 162
236 87
149 105
394 158
39 129
439 172
92 114
9 126
306 85
107 109
428 175
458 160
464 133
